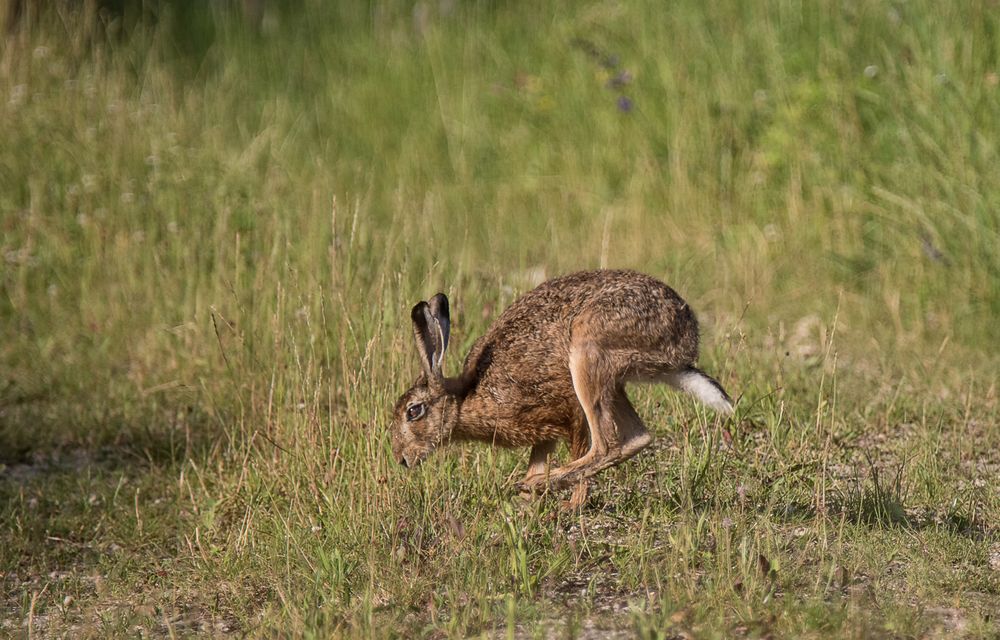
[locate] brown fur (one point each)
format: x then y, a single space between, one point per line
552 368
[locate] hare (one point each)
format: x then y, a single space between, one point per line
552 368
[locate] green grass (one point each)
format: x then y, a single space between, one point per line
211 239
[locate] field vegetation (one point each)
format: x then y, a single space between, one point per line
212 231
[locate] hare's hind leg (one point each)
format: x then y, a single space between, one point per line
629 422
616 431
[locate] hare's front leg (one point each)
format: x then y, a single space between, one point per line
537 464
578 441
579 444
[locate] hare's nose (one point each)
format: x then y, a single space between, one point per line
402 461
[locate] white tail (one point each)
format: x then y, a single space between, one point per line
702 386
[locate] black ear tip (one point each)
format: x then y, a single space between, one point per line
441 302
417 313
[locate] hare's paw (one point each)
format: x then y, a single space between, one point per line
573 473
534 483
578 499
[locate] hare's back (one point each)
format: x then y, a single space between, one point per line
528 345
641 327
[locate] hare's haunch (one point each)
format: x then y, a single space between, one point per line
554 367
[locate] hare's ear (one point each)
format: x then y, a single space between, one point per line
439 311
430 345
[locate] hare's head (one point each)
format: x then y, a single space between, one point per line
425 415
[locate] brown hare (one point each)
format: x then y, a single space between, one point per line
553 367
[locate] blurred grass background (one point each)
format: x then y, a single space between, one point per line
213 228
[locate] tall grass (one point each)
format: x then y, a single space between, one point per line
212 235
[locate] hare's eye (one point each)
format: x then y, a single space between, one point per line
415 412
